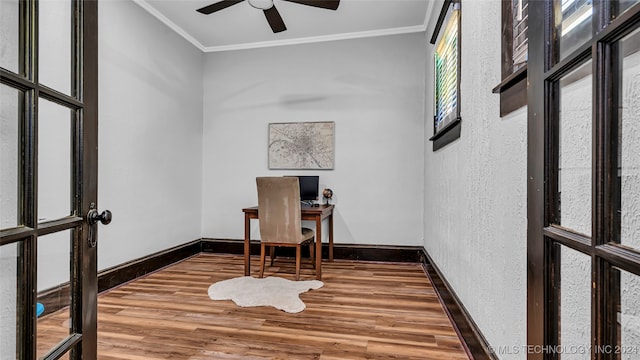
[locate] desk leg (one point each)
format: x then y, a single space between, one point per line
247 245
331 237
319 247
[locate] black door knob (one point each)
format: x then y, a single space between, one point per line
104 217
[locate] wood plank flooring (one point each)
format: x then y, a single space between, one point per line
364 311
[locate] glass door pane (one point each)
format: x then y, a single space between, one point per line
575 304
54 160
574 150
628 197
627 316
8 298
624 5
10 35
54 292
9 156
55 44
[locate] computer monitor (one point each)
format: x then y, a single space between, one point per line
309 188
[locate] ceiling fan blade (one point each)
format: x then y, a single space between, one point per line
274 19
325 4
217 6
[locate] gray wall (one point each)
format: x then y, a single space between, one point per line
475 189
150 134
371 88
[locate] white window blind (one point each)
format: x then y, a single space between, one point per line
446 73
520 37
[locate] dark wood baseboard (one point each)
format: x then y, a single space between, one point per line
228 246
120 274
476 345
377 253
58 297
340 251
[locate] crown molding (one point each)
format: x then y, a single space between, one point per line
306 40
316 39
173 26
428 15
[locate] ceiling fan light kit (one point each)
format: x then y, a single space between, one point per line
270 12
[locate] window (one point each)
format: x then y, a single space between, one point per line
446 71
515 53
520 15
446 119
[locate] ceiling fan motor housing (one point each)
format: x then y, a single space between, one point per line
261 4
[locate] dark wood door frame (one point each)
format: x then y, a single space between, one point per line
88 311
543 239
83 102
535 181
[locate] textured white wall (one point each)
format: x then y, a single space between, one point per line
630 148
475 189
371 88
150 132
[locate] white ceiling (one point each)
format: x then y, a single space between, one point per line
241 26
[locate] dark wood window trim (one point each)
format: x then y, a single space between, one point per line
519 76
446 135
451 131
513 87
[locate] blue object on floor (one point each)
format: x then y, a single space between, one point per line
39 309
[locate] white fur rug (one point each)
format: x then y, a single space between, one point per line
248 291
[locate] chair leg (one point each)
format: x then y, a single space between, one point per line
262 255
312 251
298 248
272 253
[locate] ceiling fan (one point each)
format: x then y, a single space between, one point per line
270 12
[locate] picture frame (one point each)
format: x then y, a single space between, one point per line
301 146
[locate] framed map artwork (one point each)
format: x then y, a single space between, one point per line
301 145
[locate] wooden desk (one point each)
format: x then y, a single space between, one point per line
316 214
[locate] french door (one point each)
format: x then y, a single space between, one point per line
584 180
48 181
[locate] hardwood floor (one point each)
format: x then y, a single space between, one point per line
364 311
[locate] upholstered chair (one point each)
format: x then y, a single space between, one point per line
280 220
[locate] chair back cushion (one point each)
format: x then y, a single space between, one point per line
279 209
